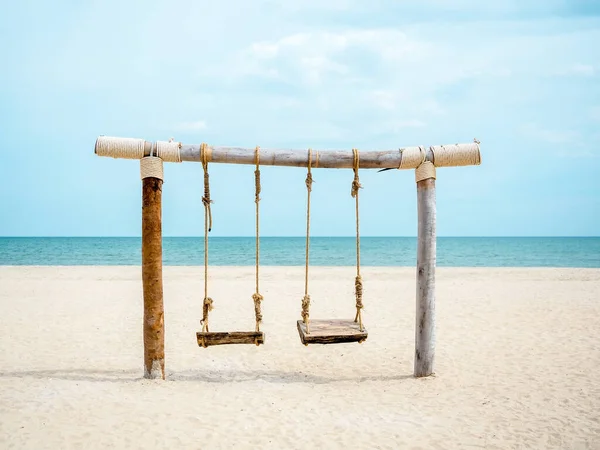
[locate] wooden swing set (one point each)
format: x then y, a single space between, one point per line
328 331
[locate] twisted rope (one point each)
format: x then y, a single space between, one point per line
456 155
151 167
169 151
207 306
128 148
256 296
355 182
358 287
412 157
206 201
424 171
208 302
306 298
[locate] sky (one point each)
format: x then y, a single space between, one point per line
523 77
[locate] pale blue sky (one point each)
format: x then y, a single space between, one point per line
521 76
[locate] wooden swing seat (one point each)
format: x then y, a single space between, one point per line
331 331
208 338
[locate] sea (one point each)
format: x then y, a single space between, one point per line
581 252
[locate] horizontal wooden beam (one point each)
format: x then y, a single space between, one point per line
441 155
327 159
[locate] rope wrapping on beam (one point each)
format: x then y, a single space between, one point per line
169 151
412 157
151 167
425 171
127 148
456 155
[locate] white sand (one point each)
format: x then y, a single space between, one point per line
517 365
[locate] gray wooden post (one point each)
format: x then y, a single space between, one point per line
425 313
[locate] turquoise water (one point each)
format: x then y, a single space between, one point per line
289 251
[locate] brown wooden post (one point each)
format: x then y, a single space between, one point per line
426 259
154 325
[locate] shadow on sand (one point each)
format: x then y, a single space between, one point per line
223 376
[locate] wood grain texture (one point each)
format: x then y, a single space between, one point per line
207 339
426 261
331 331
154 329
330 159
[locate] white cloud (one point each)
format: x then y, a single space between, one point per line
583 69
383 40
586 70
401 124
395 99
264 49
198 125
384 99
310 56
575 153
315 68
550 136
564 143
308 5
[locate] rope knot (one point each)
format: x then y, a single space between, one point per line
355 166
305 307
358 290
257 312
206 307
257 175
355 186
206 201
309 181
257 184
206 197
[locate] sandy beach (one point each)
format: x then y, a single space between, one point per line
516 361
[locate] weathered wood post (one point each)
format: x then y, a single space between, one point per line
154 326
426 252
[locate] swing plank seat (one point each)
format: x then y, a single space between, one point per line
331 331
209 338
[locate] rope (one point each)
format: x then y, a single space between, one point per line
358 287
151 167
128 148
207 306
456 155
206 198
256 296
169 151
306 298
411 157
425 171
208 302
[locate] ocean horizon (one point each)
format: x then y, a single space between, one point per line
583 252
